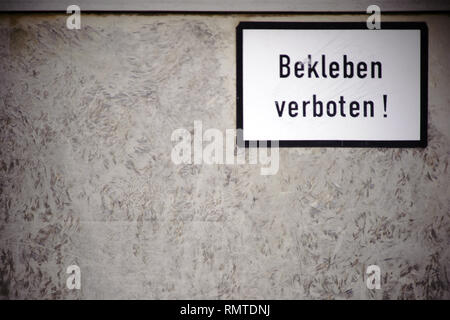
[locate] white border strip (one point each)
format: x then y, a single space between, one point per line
226 5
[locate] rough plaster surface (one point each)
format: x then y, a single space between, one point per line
86 176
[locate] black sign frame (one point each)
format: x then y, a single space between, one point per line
422 143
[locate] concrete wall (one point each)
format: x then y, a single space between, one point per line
86 175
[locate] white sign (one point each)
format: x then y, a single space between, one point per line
332 84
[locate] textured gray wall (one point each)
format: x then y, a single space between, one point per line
86 176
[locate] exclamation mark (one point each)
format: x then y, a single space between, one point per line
385 104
